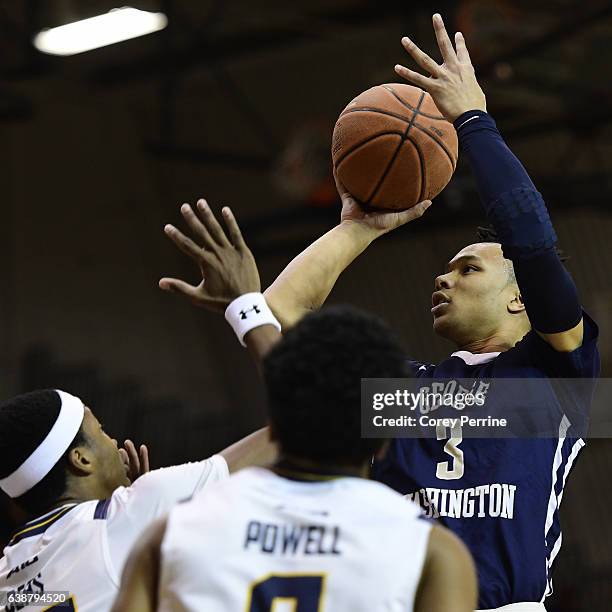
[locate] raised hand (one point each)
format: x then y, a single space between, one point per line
136 461
379 222
226 264
452 85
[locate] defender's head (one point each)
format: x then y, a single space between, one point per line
313 382
53 447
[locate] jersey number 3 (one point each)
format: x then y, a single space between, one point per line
300 593
450 470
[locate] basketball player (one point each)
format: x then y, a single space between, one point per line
69 477
311 533
512 311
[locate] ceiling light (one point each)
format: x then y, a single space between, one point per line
112 27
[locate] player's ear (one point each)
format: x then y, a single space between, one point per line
516 304
81 460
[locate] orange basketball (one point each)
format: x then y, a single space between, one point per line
392 148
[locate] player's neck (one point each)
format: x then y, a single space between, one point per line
306 469
65 501
497 343
78 491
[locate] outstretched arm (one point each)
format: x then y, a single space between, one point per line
513 205
228 271
255 449
305 284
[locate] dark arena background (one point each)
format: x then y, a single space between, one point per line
236 102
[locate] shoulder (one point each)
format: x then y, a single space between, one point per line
444 542
447 554
220 499
158 490
535 351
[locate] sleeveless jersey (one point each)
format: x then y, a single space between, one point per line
263 542
80 549
500 496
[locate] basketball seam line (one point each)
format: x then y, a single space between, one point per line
373 109
402 118
423 175
364 142
403 103
440 142
397 150
433 136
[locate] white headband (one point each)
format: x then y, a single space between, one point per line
50 450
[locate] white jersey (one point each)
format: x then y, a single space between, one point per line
80 549
263 542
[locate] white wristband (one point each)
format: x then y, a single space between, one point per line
248 312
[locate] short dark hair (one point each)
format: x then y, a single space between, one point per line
313 383
25 421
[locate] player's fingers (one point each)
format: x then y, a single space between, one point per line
124 456
414 77
421 207
415 212
174 285
144 459
185 244
211 223
444 42
196 226
233 229
133 457
421 58
463 55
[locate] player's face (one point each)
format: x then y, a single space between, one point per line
108 464
471 298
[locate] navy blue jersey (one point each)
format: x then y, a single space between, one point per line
500 496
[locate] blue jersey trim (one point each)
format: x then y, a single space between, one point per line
567 451
102 509
40 524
